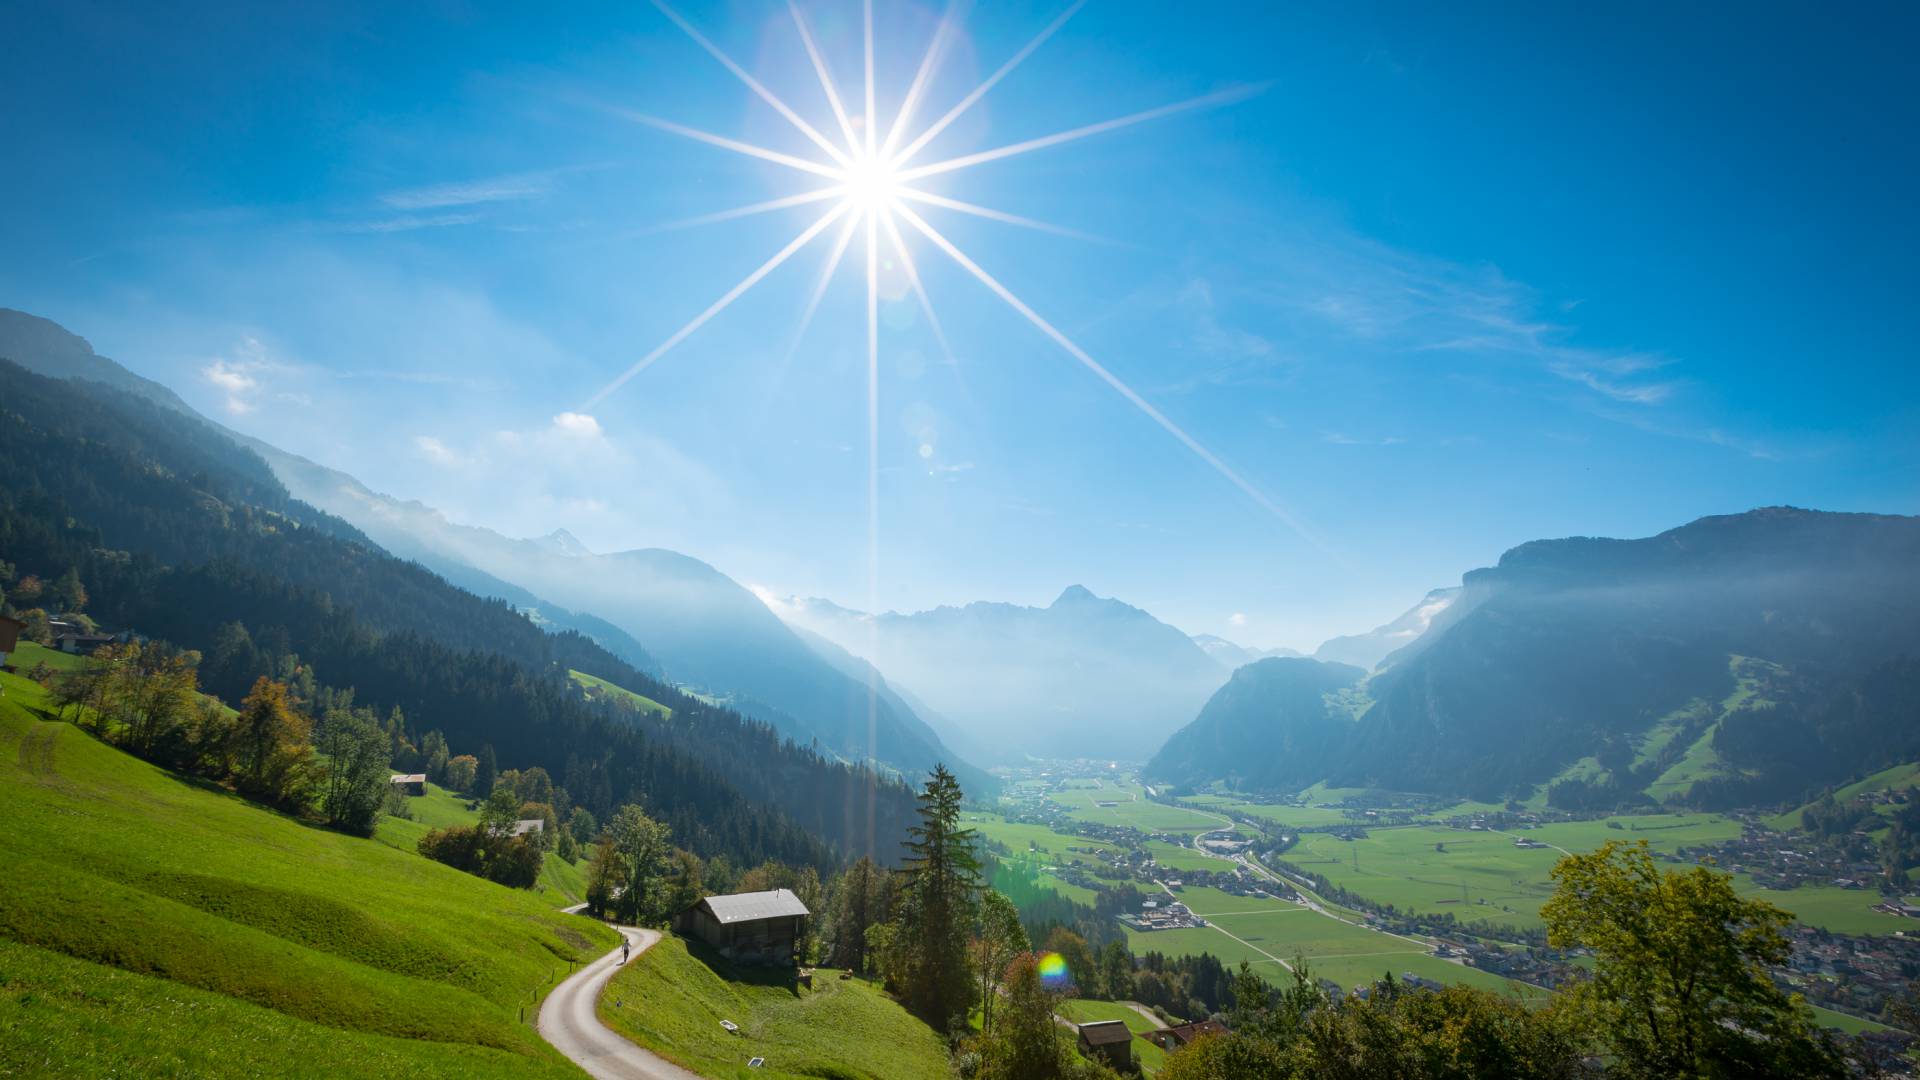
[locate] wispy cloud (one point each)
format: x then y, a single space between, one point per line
1338 438
236 380
241 375
405 223
511 188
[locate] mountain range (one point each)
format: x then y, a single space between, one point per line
1085 676
1733 660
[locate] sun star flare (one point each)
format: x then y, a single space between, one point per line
870 184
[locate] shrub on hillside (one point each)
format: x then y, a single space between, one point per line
485 852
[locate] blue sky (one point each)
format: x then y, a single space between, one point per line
1448 282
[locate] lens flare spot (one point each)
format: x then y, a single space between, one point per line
1053 970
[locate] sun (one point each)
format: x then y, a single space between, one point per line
871 176
873 184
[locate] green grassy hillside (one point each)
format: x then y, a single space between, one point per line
151 925
672 1002
595 686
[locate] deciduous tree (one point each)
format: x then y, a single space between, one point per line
358 777
1680 983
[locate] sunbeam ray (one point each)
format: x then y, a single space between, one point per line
734 145
753 84
867 122
873 437
936 51
751 209
980 91
826 79
997 215
919 289
719 305
1223 97
820 287
1286 517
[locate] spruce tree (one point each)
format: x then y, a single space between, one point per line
942 886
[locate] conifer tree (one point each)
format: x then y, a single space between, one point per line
942 886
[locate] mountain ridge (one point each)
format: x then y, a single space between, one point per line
1635 652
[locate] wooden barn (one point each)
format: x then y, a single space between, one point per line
748 928
1110 1041
410 783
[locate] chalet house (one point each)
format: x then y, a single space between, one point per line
410 783
1109 1041
748 928
1179 1035
9 636
73 637
81 643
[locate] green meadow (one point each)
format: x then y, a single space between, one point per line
1433 869
1131 808
1480 875
1283 815
596 686
133 894
671 1001
1082 1011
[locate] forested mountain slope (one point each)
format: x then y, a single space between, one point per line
1271 728
705 629
177 532
1735 659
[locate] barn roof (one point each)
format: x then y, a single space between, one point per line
749 907
1105 1032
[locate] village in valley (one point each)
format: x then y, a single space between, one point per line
1359 885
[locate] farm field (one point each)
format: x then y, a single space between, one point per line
1845 911
1131 809
1176 859
671 1001
1278 814
1474 876
1853 1025
1020 838
1481 876
1205 901
271 922
1081 1011
1662 832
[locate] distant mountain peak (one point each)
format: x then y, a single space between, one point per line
1076 594
564 543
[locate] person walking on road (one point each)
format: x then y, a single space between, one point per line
625 945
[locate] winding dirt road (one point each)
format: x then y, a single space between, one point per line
569 1021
